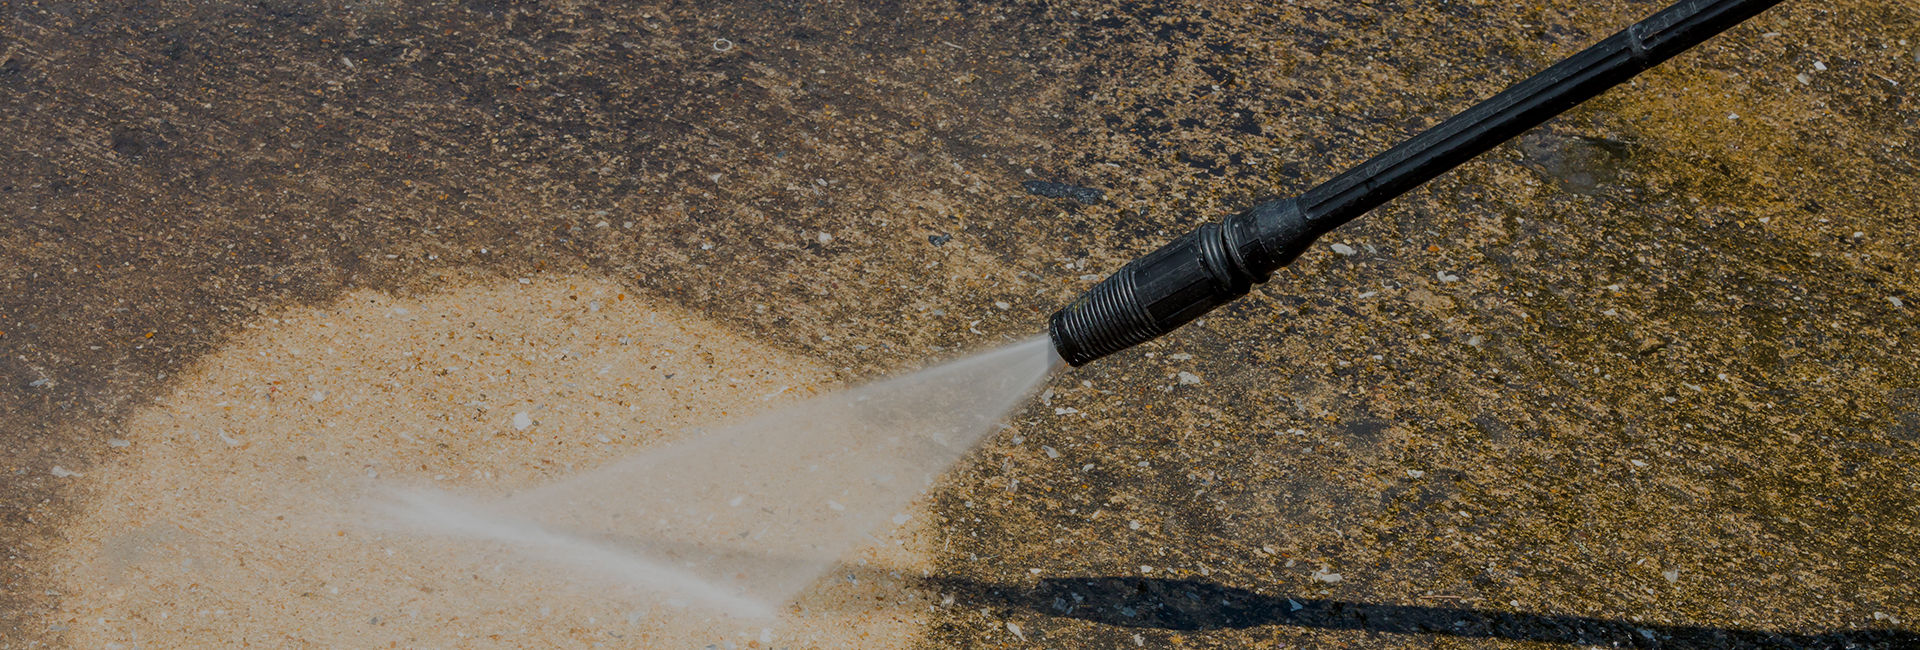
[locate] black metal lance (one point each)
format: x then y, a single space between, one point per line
1219 262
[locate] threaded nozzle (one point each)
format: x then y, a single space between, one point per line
1104 320
1181 281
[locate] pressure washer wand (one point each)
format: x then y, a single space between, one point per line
1219 262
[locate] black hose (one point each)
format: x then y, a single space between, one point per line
1217 263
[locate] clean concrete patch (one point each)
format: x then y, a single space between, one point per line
237 512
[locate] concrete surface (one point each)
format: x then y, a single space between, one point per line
254 504
1645 376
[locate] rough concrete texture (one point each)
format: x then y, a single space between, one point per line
1644 376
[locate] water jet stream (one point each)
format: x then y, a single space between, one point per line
741 518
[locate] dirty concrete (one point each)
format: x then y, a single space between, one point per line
1647 371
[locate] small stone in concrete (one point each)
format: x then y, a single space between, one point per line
1083 195
522 420
1343 249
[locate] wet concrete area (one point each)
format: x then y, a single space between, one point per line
1642 377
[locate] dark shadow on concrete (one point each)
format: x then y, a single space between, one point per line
1192 605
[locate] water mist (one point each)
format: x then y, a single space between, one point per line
741 517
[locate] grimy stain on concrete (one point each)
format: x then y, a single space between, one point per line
1654 363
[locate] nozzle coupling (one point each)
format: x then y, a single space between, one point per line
1170 287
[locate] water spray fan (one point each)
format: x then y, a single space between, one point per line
1219 262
